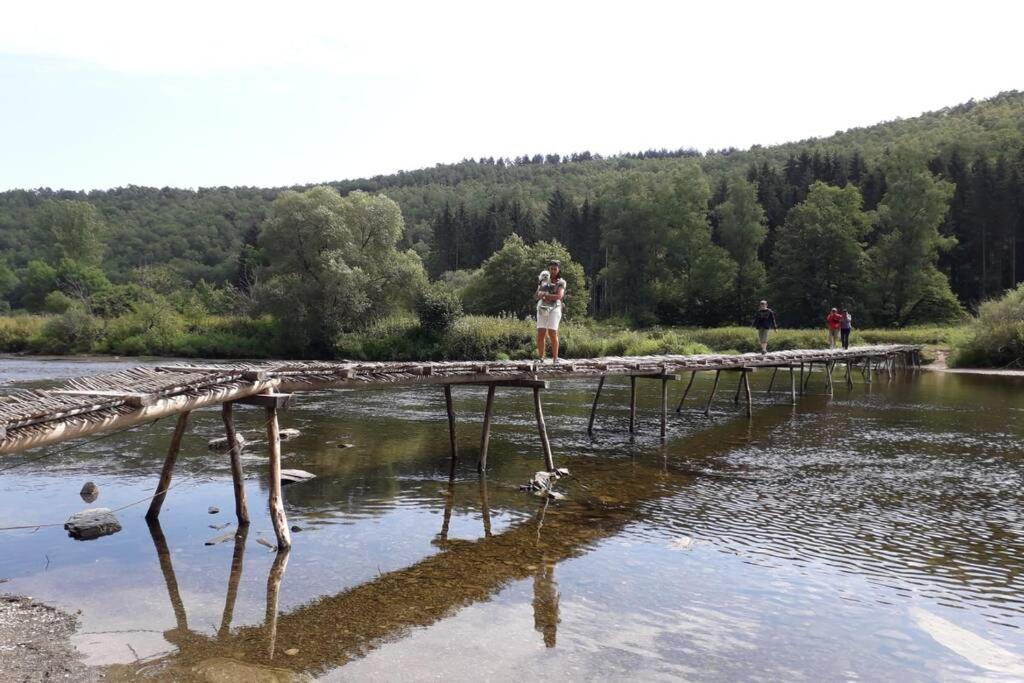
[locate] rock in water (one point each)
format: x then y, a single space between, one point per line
90 492
293 476
89 524
213 510
221 443
289 433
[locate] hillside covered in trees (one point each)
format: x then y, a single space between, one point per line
907 221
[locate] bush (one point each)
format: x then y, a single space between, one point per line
16 332
438 309
72 332
996 339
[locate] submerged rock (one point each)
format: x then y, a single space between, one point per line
89 524
221 443
90 492
222 670
294 476
289 433
346 445
213 510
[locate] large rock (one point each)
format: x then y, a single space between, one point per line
289 433
295 476
89 524
221 443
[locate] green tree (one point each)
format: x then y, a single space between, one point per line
507 281
741 231
904 271
334 265
70 229
662 264
820 260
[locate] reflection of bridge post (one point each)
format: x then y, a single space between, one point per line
545 603
485 506
163 554
273 588
233 578
449 503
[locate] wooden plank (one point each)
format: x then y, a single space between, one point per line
269 400
250 375
132 399
521 383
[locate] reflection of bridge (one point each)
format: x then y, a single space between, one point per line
107 403
330 631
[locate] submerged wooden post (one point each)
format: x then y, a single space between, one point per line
168 470
693 374
711 396
792 384
664 406
485 437
276 504
237 478
593 409
772 382
451 426
632 403
549 461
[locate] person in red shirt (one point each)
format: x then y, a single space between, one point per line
834 321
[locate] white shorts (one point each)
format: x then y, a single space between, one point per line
549 319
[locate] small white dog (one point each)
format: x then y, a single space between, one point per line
544 285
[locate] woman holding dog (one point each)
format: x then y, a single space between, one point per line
550 291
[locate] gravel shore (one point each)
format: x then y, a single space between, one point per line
35 643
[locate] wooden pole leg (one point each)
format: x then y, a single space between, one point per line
664 407
632 403
739 388
549 461
277 516
593 409
168 470
792 384
485 437
451 428
693 374
772 382
750 400
711 396
237 477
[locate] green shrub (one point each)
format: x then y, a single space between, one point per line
438 308
996 339
72 332
16 332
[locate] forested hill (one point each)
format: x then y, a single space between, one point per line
457 215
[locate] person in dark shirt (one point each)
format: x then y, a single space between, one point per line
764 320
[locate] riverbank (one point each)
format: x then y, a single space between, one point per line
35 643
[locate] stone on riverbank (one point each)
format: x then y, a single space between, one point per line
89 524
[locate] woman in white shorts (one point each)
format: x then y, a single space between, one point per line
549 309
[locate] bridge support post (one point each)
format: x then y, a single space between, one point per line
801 379
485 437
664 407
549 461
165 475
451 428
750 400
792 384
739 388
277 515
771 384
810 369
693 374
237 477
593 408
711 396
632 403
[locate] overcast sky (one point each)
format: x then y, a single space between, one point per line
189 94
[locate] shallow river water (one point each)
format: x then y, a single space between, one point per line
877 535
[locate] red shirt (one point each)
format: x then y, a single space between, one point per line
834 320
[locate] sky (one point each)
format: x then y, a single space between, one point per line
198 94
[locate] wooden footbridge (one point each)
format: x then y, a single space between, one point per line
112 402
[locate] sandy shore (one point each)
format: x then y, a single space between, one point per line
35 643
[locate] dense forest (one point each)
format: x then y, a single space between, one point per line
907 221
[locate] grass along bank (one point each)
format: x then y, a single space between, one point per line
402 338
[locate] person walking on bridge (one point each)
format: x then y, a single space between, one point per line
845 326
550 291
834 322
764 320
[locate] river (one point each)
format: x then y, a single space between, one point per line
876 535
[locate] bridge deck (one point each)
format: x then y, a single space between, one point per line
101 403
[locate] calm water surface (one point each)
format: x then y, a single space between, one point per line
874 536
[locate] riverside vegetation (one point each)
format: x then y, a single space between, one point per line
912 224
